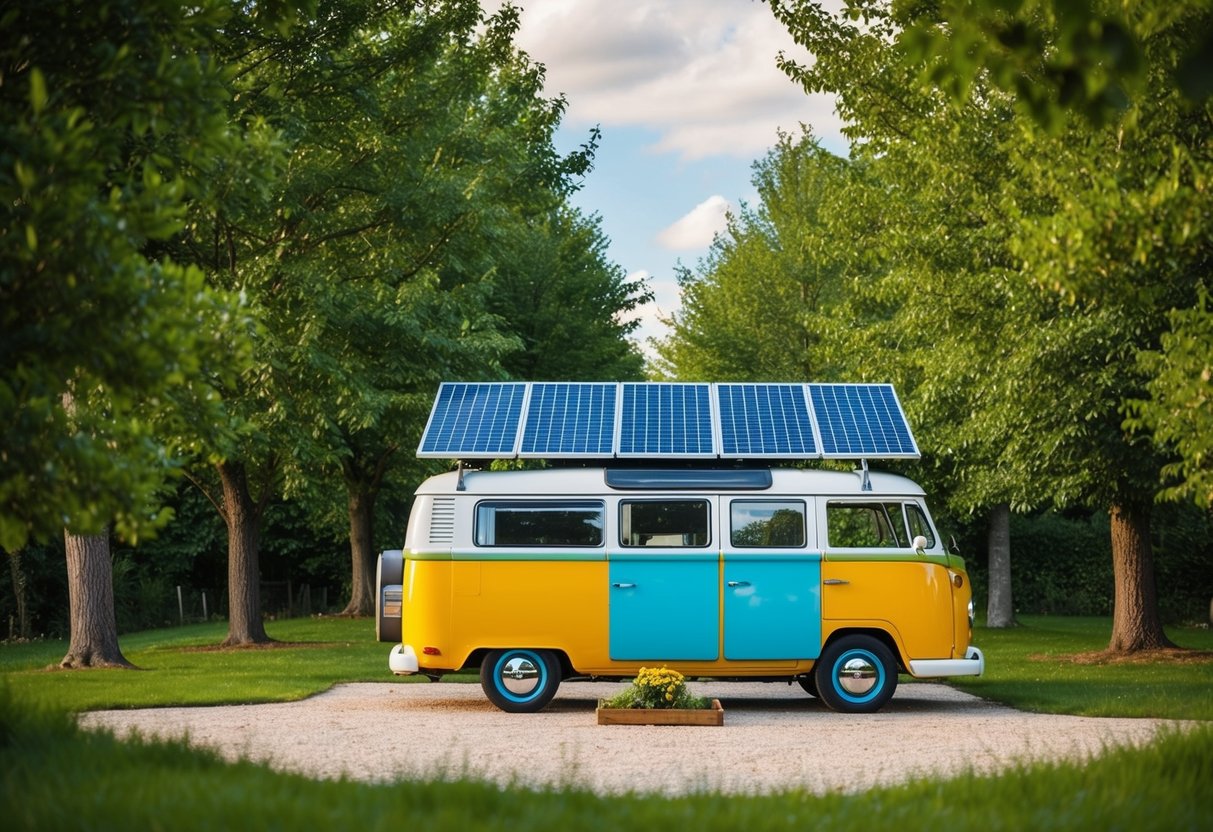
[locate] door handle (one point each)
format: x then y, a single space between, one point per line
624 586
834 582
739 583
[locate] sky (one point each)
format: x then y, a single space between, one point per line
688 96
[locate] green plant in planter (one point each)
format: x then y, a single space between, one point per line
657 688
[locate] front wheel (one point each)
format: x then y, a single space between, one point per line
856 675
520 681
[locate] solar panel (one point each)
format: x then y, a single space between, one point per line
600 420
474 420
861 420
666 419
566 419
765 420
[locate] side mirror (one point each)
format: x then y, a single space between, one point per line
955 547
920 544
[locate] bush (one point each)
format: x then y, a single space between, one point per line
1061 562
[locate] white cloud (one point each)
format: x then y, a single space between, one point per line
666 297
700 73
695 230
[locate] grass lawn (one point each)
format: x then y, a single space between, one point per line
54 776
1045 665
1032 667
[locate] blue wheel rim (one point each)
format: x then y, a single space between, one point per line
877 688
541 682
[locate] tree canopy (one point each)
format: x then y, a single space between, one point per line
113 118
298 218
1027 270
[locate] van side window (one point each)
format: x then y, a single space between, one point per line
865 525
768 523
517 523
919 525
673 523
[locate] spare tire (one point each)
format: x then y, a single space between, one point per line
389 593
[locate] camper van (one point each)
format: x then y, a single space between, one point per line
838 581
673 524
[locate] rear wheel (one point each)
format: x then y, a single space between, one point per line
520 681
856 674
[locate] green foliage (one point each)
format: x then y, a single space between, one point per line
757 307
112 114
572 309
1055 56
1061 561
1062 566
656 687
1179 412
1020 272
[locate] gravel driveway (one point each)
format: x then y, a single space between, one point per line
775 737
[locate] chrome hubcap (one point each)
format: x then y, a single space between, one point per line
857 676
519 676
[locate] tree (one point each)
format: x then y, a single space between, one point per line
1047 417
557 292
1000 607
758 306
368 261
97 140
94 629
1061 58
109 113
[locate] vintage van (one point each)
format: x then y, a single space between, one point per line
838 581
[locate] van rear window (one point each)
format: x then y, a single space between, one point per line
516 523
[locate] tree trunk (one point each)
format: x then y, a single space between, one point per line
243 517
1000 610
1135 621
90 587
19 586
362 553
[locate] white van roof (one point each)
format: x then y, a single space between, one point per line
557 482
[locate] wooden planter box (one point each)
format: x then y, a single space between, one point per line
662 716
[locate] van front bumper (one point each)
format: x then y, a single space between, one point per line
973 664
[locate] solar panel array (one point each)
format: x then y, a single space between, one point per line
603 420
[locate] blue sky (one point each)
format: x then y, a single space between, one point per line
688 96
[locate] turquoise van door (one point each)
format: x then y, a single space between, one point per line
772 581
665 608
772 606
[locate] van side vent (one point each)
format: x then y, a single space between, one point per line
442 520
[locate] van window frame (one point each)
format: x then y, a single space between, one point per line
884 503
931 535
624 523
791 501
538 505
